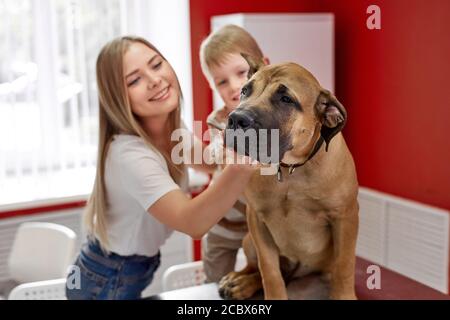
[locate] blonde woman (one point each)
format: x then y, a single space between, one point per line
139 194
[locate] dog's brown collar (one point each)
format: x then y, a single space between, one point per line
296 165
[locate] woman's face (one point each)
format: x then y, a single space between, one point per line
151 83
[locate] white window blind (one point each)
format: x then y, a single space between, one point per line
48 92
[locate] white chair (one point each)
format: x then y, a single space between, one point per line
183 275
41 251
192 273
40 290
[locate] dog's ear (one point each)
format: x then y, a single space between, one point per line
331 114
254 63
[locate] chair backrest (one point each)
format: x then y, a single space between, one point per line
40 290
183 275
41 251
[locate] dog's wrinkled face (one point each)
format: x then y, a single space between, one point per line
286 97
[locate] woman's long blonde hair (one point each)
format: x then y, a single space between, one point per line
116 116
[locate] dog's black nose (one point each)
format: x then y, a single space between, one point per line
239 120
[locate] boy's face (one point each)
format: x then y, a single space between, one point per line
229 78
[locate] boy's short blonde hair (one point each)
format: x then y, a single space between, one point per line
230 39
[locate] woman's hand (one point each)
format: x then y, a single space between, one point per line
229 157
240 163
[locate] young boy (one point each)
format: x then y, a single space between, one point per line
226 71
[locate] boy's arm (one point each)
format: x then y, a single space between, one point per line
216 151
209 165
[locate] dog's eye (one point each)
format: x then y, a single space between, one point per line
286 99
244 91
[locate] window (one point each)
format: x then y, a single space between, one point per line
48 98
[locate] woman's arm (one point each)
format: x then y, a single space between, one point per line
196 216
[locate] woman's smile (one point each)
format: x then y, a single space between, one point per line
161 95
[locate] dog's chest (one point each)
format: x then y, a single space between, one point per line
289 197
297 222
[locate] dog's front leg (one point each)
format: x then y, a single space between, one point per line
345 231
268 258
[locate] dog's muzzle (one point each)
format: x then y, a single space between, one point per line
241 123
240 119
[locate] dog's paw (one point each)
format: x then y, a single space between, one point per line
236 286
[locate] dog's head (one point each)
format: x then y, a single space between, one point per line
286 97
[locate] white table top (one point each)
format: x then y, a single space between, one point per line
307 288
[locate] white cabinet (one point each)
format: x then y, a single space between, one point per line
303 38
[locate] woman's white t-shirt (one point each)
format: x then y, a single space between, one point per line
136 177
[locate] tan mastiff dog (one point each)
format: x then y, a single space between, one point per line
305 218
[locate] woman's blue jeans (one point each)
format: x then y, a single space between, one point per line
111 276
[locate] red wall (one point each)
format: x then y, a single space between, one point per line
394 83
